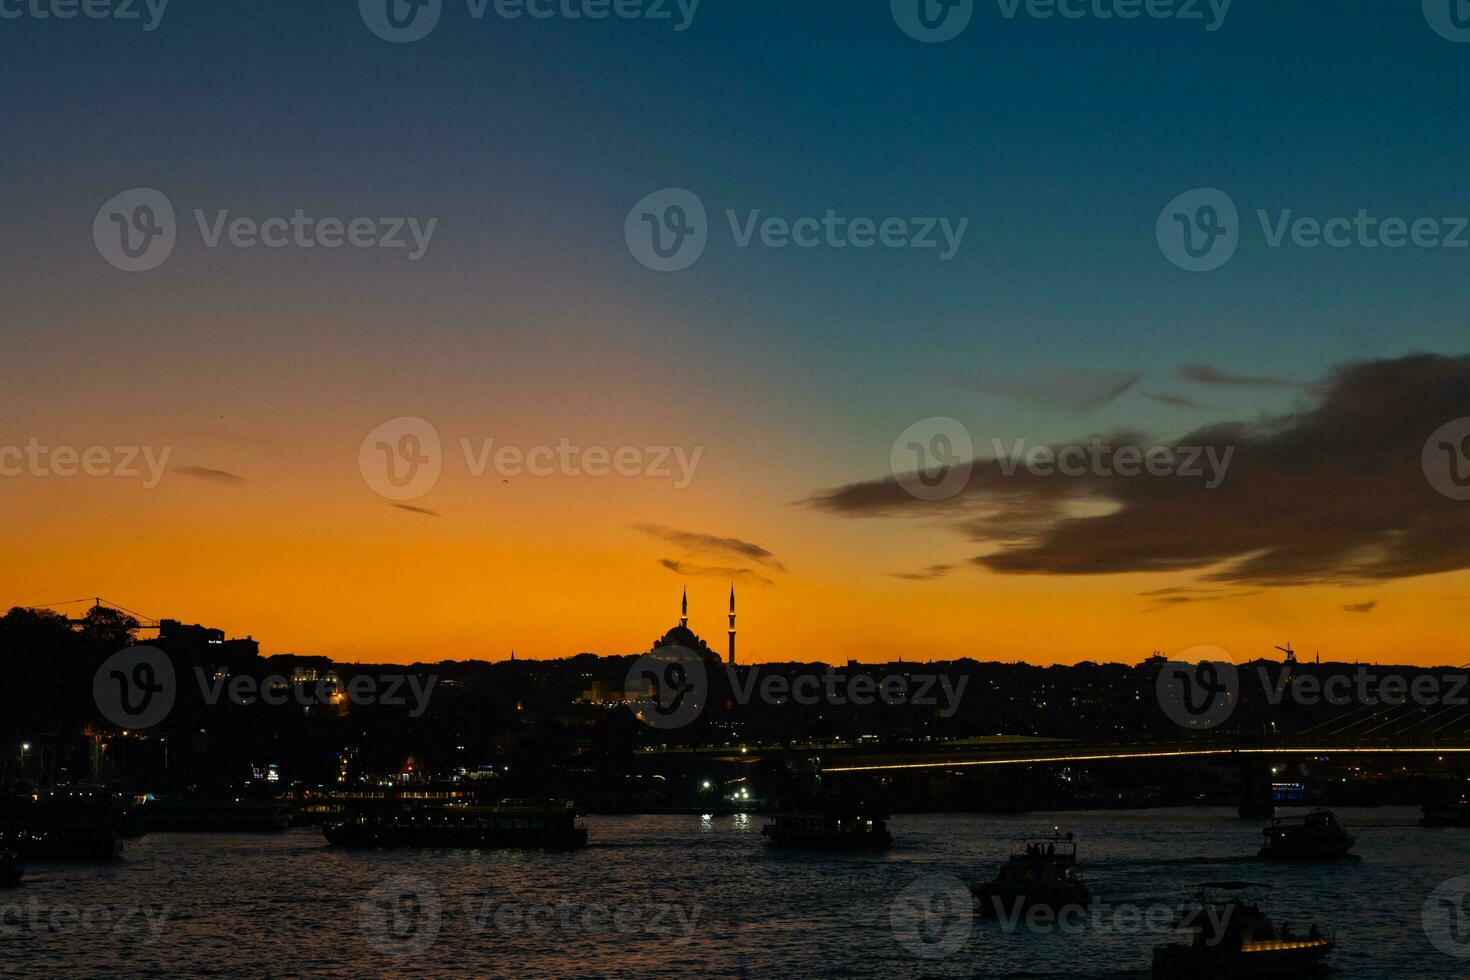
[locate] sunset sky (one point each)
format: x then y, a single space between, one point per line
791 371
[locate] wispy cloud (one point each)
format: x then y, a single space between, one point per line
713 571
416 510
213 476
695 543
1072 391
1206 375
927 574
1361 607
1178 401
1179 597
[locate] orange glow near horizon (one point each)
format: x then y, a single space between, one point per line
555 567
264 525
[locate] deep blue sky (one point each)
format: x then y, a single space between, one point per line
1060 141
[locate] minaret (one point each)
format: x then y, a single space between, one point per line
684 610
732 624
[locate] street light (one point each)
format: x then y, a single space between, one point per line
24 748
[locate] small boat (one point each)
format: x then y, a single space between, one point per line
828 825
1455 814
11 870
528 824
1316 836
60 826
132 822
1041 871
1230 937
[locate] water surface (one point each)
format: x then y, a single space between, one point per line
687 896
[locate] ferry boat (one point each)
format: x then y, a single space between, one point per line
532 824
218 814
1230 937
11 870
828 825
1455 814
1041 871
55 827
1316 836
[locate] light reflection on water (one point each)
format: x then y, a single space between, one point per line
681 896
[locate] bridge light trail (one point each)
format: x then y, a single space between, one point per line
1171 754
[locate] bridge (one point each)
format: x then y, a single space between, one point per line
1404 728
841 756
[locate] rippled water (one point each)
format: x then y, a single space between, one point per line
684 896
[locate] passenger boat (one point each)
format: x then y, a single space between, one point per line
1316 836
11 870
531 824
828 825
1230 937
1455 814
56 827
1041 871
218 814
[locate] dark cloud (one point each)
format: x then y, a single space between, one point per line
710 571
1331 493
1180 596
1206 375
213 476
927 574
1178 401
695 543
1073 391
1360 607
417 510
